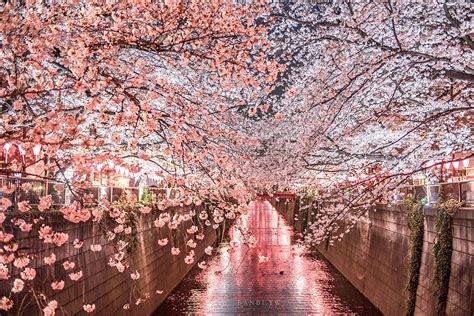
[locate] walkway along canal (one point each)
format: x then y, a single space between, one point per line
285 281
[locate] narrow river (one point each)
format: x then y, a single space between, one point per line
287 281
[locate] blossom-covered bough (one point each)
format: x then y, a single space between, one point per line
221 100
372 93
147 87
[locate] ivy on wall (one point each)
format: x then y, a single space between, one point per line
443 249
414 212
147 197
132 220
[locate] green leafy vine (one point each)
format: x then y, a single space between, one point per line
131 220
414 211
443 249
147 198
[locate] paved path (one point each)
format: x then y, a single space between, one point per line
290 282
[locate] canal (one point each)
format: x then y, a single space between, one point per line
276 277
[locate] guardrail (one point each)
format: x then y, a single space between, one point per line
462 191
40 188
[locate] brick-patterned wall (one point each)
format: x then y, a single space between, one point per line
374 258
461 285
102 285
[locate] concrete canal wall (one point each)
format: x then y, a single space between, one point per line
104 286
374 258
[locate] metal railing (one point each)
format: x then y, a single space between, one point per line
462 191
41 188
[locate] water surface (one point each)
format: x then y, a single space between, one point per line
290 282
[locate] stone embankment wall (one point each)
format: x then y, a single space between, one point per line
104 286
374 258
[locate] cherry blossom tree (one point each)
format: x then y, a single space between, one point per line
372 91
223 100
139 85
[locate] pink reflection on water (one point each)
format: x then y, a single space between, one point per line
289 282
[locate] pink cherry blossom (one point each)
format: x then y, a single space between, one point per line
166 217
145 209
68 265
98 213
46 233
58 187
252 111
77 243
12 247
175 251
60 238
121 244
5 204
50 309
89 308
110 235
116 138
143 156
75 276
200 236
28 274
4 275
189 259
45 203
6 258
192 230
191 243
23 206
208 250
50 260
18 285
159 223
135 275
57 285
119 255
118 229
8 189
5 237
74 213
27 186
96 248
21 262
24 226
163 242
6 303
120 267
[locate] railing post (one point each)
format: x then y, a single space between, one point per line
459 192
